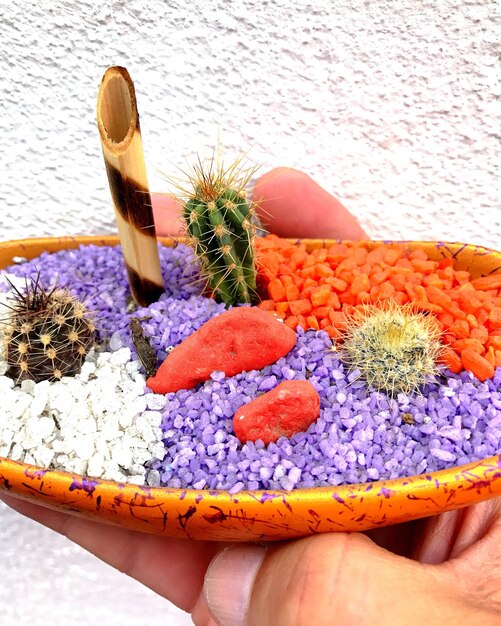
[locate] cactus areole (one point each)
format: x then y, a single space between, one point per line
219 220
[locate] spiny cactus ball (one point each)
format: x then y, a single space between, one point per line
46 334
220 223
394 348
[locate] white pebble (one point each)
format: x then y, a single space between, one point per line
17 453
5 383
144 429
155 401
136 480
71 464
40 399
286 483
60 398
125 419
115 342
132 367
153 418
22 402
141 456
84 446
157 450
153 478
121 455
87 371
294 475
39 428
139 404
29 458
137 469
43 456
120 357
279 472
57 445
92 356
158 433
111 429
5 447
28 386
96 465
111 472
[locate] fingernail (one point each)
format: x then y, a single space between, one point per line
228 583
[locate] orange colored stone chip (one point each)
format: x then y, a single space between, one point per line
242 339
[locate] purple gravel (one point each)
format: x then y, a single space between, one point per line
360 435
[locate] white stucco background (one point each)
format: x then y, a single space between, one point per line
393 105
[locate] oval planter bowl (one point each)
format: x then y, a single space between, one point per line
257 515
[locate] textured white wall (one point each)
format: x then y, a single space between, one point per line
391 105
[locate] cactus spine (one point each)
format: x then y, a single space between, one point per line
219 220
47 333
394 348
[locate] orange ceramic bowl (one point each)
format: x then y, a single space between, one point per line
257 515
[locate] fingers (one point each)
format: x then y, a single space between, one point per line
167 216
337 579
400 539
174 568
291 204
468 537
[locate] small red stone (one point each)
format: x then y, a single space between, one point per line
287 409
241 339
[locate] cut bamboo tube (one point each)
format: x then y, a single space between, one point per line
118 123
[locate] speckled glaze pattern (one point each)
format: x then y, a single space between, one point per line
258 515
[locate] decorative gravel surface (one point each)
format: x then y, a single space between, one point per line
360 435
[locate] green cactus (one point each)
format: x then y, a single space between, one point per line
394 348
220 223
46 334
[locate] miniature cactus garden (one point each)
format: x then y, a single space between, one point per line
244 361
353 364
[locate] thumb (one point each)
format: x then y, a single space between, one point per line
338 579
291 204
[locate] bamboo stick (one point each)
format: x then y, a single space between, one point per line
118 124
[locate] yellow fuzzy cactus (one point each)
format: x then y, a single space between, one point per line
394 348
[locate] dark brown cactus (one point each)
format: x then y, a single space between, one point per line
46 334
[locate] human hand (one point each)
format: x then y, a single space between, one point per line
446 570
289 204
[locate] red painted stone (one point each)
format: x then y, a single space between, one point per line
242 339
287 409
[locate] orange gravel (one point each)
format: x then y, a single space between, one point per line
318 289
